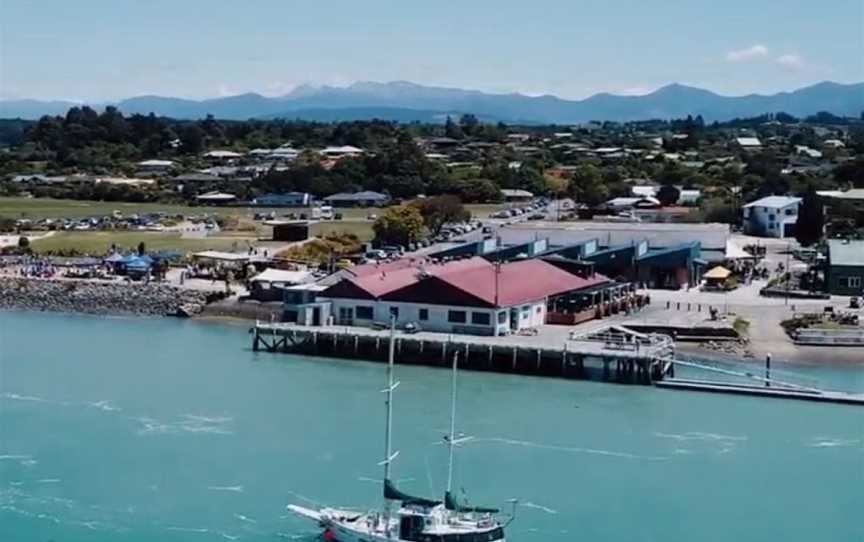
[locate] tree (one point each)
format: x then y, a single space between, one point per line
811 218
453 130
399 225
24 243
142 248
718 210
586 186
440 210
668 195
851 172
192 139
478 191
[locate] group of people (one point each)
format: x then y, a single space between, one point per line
30 267
749 271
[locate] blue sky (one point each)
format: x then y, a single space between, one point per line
109 49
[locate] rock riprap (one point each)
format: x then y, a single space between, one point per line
89 297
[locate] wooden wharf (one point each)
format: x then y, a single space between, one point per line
611 354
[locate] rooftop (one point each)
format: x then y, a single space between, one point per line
775 202
503 285
846 252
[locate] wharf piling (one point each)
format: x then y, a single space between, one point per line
613 354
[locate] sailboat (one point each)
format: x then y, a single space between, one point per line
415 519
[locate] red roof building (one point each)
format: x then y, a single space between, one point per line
472 295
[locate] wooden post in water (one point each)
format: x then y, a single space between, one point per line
768 371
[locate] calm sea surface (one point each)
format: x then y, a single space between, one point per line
142 430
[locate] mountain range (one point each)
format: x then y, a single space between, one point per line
404 102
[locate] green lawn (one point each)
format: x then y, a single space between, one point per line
99 242
59 208
354 221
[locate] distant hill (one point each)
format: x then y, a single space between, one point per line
395 114
404 101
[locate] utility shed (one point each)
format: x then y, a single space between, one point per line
845 267
289 230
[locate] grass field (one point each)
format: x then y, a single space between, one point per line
99 242
354 221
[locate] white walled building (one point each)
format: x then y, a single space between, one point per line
772 216
472 296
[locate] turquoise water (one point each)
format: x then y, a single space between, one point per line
140 430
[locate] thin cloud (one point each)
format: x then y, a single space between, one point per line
791 61
745 55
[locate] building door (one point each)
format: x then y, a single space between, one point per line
514 318
346 316
316 316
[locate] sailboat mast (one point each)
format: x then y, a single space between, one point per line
452 439
388 452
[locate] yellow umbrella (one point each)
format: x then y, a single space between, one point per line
718 272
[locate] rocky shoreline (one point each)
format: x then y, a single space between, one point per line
90 297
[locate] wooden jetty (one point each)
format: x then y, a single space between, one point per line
612 353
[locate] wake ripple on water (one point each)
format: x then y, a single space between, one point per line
187 423
233 489
830 442
22 459
724 443
552 447
56 510
538 507
203 530
246 519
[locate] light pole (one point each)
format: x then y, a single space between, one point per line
788 270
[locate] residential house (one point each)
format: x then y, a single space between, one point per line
222 156
156 166
772 216
358 199
749 143
339 152
516 195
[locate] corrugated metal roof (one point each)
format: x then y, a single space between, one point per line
518 282
774 202
512 284
846 252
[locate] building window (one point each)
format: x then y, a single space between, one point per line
790 212
394 312
771 217
502 317
539 309
364 313
456 317
853 282
526 311
480 318
423 314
